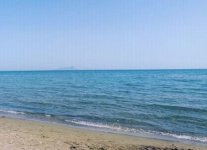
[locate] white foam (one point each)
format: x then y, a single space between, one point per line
97 125
12 112
138 131
187 137
48 116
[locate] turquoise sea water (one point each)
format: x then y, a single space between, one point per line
171 103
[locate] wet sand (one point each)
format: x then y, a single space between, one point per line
17 134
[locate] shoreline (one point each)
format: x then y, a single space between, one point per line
109 129
29 134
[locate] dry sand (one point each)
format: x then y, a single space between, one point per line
17 134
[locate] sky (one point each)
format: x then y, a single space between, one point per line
109 34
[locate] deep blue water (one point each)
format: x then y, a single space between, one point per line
166 102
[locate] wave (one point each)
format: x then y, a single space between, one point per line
12 112
138 131
175 107
96 125
186 137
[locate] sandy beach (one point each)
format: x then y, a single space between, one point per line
18 134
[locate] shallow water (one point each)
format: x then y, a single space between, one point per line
165 102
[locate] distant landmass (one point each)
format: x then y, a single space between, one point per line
67 68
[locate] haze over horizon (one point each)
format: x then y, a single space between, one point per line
117 34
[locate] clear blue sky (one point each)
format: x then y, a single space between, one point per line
107 34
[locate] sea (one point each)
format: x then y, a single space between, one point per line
169 104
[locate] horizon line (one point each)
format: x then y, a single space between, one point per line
103 69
